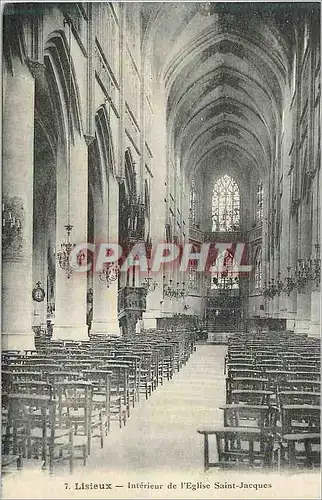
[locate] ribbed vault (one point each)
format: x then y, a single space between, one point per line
225 76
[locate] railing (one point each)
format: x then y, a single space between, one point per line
255 233
233 236
196 234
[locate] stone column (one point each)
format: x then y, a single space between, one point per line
291 262
315 323
302 323
153 305
157 305
70 316
39 269
105 320
18 157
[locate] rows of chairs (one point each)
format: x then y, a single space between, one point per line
272 413
58 398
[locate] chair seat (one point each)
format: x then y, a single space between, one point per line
79 413
78 440
37 433
312 436
9 459
99 398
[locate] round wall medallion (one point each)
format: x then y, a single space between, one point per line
38 293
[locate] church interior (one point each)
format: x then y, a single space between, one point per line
184 124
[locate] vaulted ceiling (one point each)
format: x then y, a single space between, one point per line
226 68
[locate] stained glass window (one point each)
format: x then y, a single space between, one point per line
192 216
225 205
259 211
258 268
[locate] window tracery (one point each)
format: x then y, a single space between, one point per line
192 211
258 268
259 208
225 205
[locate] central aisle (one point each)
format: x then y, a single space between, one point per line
161 433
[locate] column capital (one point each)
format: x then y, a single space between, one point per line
37 68
89 139
120 179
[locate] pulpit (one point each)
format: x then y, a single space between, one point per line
131 305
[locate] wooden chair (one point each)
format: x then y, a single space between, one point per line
55 377
101 399
249 396
241 415
245 372
119 396
239 447
7 462
301 418
301 385
250 383
307 375
301 450
299 397
35 387
134 364
75 407
32 423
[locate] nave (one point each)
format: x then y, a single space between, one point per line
194 125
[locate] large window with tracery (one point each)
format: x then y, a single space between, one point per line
258 268
192 214
225 205
259 206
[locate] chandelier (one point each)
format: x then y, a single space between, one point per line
66 249
109 273
305 271
67 246
149 283
181 290
316 266
302 273
290 282
12 221
279 285
177 292
168 290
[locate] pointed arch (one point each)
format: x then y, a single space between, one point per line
61 76
130 176
105 140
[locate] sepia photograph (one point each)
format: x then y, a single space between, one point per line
161 250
